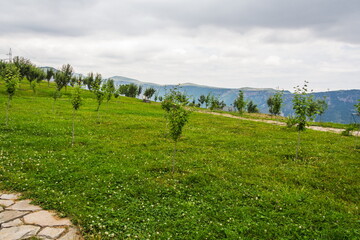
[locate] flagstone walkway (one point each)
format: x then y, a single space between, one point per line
19 219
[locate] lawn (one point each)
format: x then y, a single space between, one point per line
234 179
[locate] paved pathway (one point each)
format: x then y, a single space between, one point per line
317 128
21 220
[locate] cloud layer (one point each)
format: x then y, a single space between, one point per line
227 43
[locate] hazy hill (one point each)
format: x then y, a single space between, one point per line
341 103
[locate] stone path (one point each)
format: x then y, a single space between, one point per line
21 220
317 128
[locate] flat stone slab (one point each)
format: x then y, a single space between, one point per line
24 205
44 218
11 196
51 232
21 232
14 223
6 203
6 216
72 234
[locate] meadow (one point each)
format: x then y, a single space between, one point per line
234 179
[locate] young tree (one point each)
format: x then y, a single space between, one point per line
109 89
215 103
202 99
49 75
35 74
322 106
160 98
177 115
24 65
252 108
89 81
76 102
133 90
12 78
67 71
208 100
274 103
149 92
98 90
357 107
304 110
240 103
139 90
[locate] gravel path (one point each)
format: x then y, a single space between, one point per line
317 128
21 220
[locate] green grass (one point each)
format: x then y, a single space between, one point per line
234 179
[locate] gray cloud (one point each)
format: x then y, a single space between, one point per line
335 19
227 43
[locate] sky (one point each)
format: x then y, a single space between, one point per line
221 43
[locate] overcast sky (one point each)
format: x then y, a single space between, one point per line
222 43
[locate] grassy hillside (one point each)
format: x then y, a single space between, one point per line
234 179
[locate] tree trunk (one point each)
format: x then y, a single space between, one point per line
173 159
73 128
298 146
7 110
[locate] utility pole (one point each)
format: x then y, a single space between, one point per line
10 56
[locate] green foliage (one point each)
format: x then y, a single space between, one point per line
24 65
304 105
129 90
12 77
109 88
251 107
76 99
33 86
202 99
274 103
240 103
139 90
89 81
35 74
291 121
149 92
321 105
49 74
177 114
357 107
98 90
215 103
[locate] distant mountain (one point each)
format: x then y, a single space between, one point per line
341 103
